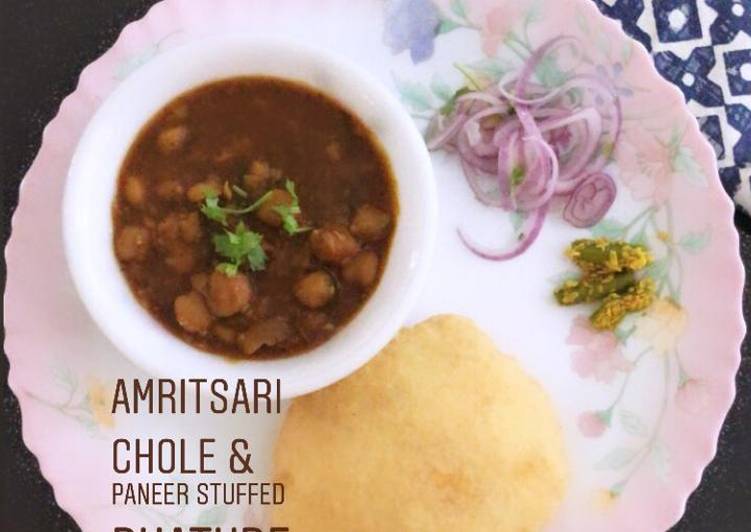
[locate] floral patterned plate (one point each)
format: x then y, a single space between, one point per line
641 407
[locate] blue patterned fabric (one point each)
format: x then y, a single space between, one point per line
704 48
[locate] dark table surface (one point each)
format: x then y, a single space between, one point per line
44 44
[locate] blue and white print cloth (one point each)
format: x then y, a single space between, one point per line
704 48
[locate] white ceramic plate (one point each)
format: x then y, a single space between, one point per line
641 411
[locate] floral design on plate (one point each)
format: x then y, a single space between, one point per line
650 160
636 405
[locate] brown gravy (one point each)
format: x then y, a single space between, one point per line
254 216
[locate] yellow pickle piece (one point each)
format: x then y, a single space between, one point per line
593 287
602 255
616 306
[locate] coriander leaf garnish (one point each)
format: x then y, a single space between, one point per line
290 186
227 268
450 104
239 246
240 192
517 176
213 211
288 212
289 222
257 203
256 258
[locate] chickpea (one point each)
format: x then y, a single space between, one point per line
226 334
259 168
258 176
191 313
270 332
190 227
334 151
333 244
176 229
315 289
314 324
275 174
168 230
267 213
181 258
370 223
135 191
233 150
172 139
361 269
200 282
198 192
228 295
132 243
170 190
261 308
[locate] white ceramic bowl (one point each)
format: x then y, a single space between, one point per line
87 219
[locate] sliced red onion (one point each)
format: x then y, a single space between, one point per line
586 115
486 164
547 167
484 97
446 131
484 186
571 172
590 200
504 131
476 134
529 67
527 239
545 95
556 137
509 157
472 130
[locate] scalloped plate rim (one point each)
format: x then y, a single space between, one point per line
681 492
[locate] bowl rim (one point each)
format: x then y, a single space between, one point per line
181 359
